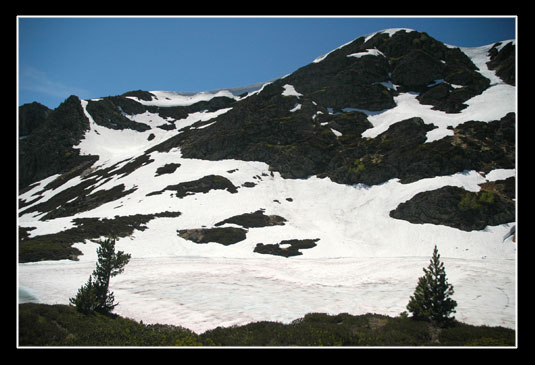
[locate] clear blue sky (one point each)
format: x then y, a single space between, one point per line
95 57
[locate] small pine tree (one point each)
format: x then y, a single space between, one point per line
94 296
432 298
86 298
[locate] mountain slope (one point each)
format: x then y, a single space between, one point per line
365 158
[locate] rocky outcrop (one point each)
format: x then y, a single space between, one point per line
31 116
502 60
282 248
167 169
254 220
417 61
58 246
202 185
455 207
225 236
106 114
401 152
298 145
298 137
48 149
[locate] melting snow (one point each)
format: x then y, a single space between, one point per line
289 90
368 52
170 98
493 104
365 261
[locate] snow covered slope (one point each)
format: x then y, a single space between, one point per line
362 259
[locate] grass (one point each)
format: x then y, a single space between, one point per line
62 325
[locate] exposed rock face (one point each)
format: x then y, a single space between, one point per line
167 169
456 207
300 143
48 149
31 116
311 122
503 62
417 60
280 249
225 236
256 219
202 185
417 69
57 246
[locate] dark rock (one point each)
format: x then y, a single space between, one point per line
58 246
348 123
248 184
292 250
416 60
225 236
167 127
346 82
300 144
31 116
140 94
202 185
48 150
167 169
88 201
79 198
105 113
401 152
417 69
503 62
458 208
256 219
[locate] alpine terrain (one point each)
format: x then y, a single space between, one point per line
324 190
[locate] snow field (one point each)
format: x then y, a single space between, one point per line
365 261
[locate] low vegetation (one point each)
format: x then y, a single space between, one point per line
63 325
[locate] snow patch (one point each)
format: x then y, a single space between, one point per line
390 32
171 98
336 133
296 108
289 90
368 52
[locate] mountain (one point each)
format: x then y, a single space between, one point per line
334 181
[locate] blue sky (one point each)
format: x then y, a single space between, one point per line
96 57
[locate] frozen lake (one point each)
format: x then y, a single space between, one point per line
203 293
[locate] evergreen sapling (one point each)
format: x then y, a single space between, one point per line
94 296
432 298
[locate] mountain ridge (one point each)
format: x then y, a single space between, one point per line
380 148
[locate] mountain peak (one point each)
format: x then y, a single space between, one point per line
388 31
387 146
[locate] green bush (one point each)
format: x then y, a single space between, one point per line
61 325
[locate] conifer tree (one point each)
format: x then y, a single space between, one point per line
95 295
432 298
